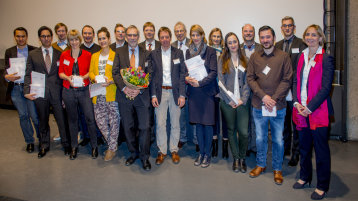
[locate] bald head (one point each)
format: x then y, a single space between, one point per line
248 33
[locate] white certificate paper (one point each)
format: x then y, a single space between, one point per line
266 113
196 68
228 93
100 79
77 81
17 65
97 89
37 85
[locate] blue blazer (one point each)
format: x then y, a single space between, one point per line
177 74
328 66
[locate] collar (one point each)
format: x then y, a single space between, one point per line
62 43
262 53
289 39
306 51
166 51
50 49
147 43
88 46
247 47
135 49
23 49
119 44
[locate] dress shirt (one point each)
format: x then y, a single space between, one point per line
236 84
249 51
306 70
88 46
287 41
147 45
50 50
62 44
24 52
136 55
166 56
119 45
183 47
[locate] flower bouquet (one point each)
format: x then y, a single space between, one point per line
135 78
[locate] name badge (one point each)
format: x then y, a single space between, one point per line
146 64
66 62
266 70
241 68
312 63
109 62
176 61
58 63
295 50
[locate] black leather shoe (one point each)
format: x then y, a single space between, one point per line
43 152
301 186
94 153
225 147
73 154
215 148
294 160
67 151
316 196
85 141
236 165
30 148
146 165
131 160
243 165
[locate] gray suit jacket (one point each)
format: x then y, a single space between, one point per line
257 48
228 81
175 43
36 62
157 45
177 74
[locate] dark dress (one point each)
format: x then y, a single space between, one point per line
201 100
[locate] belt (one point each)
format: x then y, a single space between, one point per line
167 87
19 84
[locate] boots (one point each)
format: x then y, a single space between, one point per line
215 147
225 149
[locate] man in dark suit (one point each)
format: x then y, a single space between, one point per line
248 47
88 36
45 60
167 90
134 103
293 46
25 108
149 32
120 34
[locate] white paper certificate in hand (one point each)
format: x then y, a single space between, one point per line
17 65
77 81
196 68
97 89
100 79
229 94
38 84
266 113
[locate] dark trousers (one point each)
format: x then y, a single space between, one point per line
319 140
204 134
131 111
219 120
43 110
73 99
290 134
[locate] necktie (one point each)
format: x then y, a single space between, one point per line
132 61
48 60
287 45
180 45
150 47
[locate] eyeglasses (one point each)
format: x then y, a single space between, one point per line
119 31
287 25
132 35
45 36
179 31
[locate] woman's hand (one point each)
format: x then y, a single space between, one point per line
192 81
302 110
107 83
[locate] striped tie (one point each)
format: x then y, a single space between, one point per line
48 60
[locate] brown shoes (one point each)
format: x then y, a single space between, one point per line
278 178
257 171
175 157
160 158
109 155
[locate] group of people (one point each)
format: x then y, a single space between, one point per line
249 91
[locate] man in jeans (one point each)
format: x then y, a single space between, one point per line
269 75
25 108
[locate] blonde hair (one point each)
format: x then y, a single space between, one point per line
200 30
319 31
74 33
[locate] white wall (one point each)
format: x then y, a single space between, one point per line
229 15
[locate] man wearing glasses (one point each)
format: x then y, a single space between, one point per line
293 46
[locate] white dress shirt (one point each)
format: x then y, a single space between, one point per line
50 50
166 61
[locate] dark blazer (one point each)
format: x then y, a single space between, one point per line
257 48
36 62
121 61
113 45
95 48
12 53
157 45
228 80
177 74
328 66
209 84
175 43
296 43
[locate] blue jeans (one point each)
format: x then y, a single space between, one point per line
26 109
205 137
276 125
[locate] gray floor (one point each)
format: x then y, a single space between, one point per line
25 177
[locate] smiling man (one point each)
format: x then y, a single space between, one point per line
293 46
61 32
120 34
269 74
249 46
149 32
88 36
168 93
